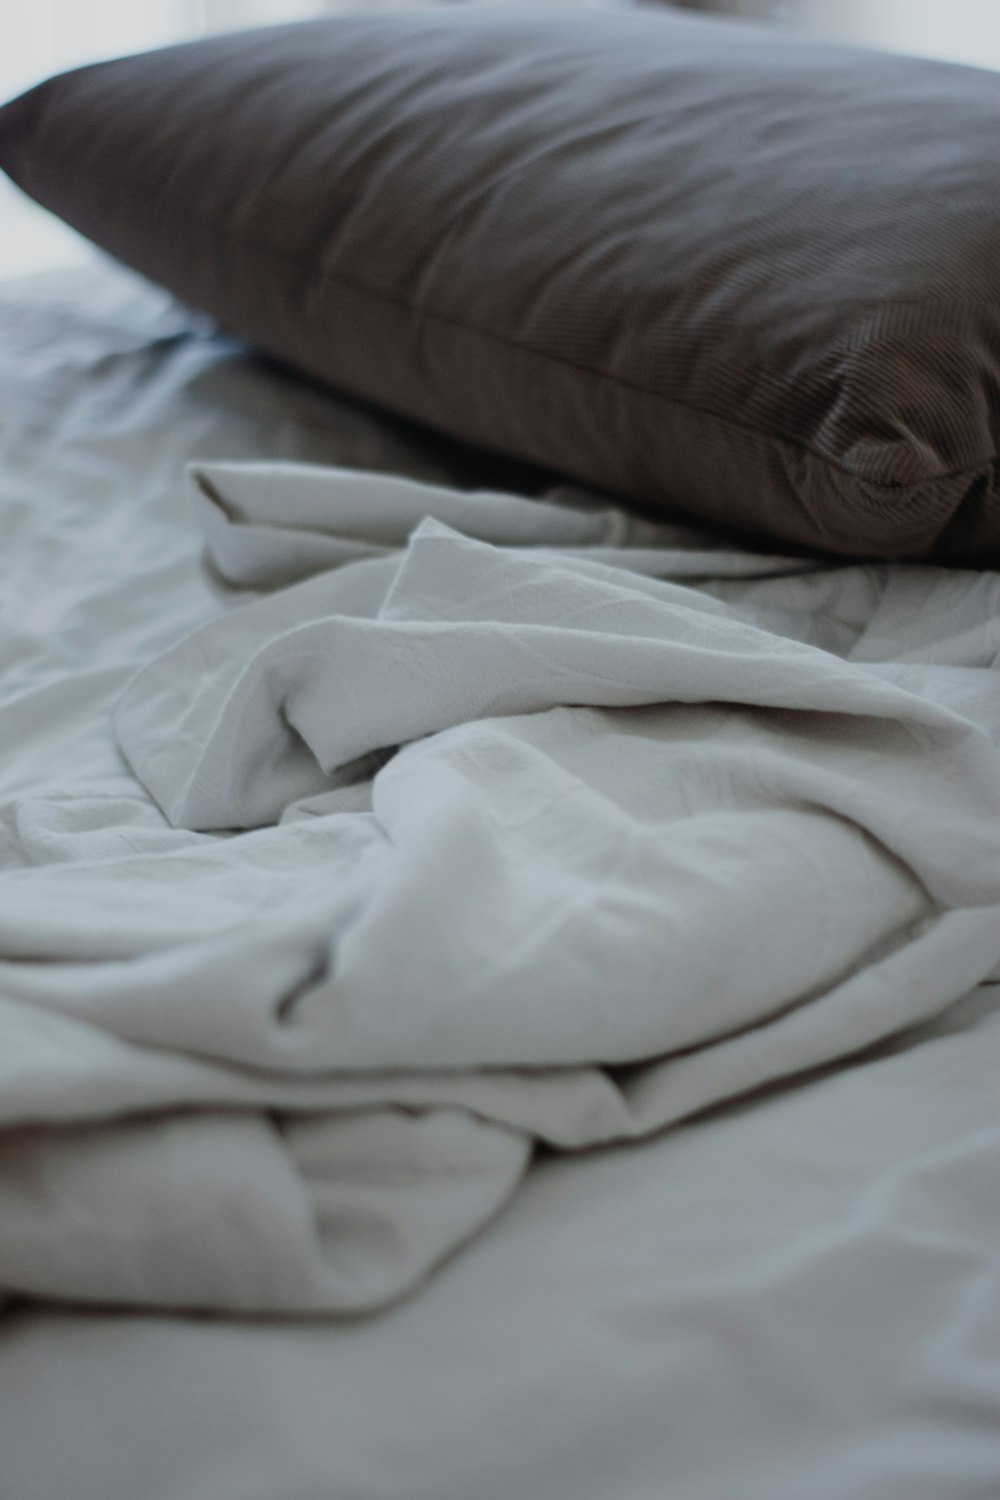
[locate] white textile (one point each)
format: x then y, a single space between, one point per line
665 826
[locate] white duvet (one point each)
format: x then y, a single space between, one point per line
478 822
795 1294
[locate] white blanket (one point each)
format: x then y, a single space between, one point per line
647 846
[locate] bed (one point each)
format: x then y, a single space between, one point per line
495 1251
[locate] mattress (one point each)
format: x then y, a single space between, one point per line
793 1293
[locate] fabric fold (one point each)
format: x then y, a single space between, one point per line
483 838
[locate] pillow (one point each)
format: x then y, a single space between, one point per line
712 267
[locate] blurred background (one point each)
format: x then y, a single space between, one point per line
40 37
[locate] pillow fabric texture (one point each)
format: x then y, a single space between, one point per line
709 266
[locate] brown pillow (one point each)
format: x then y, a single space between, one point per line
705 265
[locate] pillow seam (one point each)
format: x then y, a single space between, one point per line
336 278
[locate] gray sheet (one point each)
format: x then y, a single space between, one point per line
795 1296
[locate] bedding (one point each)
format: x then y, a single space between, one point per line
720 270
206 1109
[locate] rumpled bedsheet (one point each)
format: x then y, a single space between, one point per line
486 823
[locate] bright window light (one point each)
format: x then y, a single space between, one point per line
964 31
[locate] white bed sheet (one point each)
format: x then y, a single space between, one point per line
796 1296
